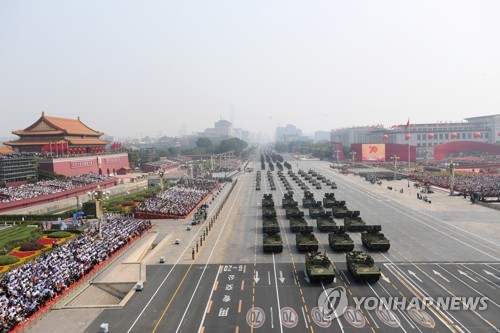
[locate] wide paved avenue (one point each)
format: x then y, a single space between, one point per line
445 249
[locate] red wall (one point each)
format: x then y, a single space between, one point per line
73 166
440 151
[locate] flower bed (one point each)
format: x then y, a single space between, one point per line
23 254
48 241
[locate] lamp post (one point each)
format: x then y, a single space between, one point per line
99 195
162 175
395 159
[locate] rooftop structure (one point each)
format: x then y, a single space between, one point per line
59 135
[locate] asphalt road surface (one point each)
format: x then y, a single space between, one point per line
441 250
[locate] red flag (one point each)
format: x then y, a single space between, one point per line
407 124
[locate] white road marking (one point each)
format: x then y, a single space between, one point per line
166 277
277 293
304 314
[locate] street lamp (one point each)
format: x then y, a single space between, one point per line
162 175
353 154
395 159
99 195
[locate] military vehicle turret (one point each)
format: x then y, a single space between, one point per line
293 211
339 240
306 241
270 225
268 212
288 200
354 222
308 199
319 267
298 224
362 267
339 209
325 222
315 209
267 200
374 240
272 242
329 200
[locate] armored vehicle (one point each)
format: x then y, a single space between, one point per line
292 212
329 200
308 199
319 267
298 224
328 182
318 186
362 266
306 241
334 185
353 222
267 200
339 240
268 212
272 242
315 209
289 202
325 221
270 225
374 240
339 209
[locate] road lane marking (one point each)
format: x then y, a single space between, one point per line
204 269
386 308
398 309
242 284
277 293
216 285
195 236
304 315
435 228
209 306
239 306
421 293
172 298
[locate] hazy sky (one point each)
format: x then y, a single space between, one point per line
127 67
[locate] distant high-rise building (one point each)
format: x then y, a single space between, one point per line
288 133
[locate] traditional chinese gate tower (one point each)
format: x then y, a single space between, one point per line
58 135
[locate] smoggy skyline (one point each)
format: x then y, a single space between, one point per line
155 67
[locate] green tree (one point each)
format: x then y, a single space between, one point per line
204 143
233 144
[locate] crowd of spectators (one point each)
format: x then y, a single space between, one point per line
180 199
45 187
24 290
469 183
